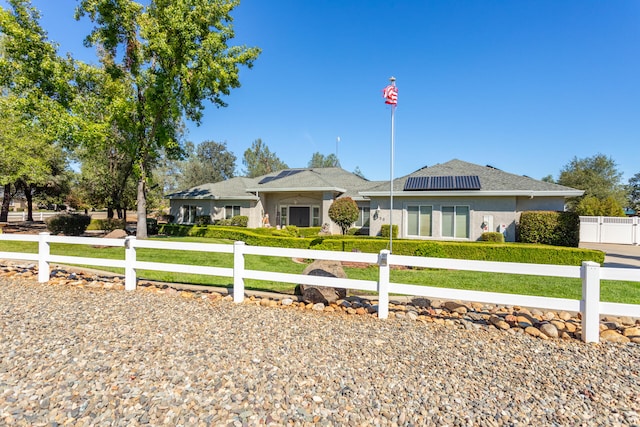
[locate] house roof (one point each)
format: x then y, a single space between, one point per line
233 188
493 182
335 180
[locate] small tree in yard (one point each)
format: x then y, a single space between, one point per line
344 212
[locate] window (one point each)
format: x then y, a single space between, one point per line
455 221
231 211
363 216
419 220
283 215
189 213
315 216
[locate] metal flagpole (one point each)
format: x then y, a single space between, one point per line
393 108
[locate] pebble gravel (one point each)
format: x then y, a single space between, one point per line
97 357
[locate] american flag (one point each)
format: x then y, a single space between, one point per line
390 94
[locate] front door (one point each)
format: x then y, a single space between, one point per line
299 216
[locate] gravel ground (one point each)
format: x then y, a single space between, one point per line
80 356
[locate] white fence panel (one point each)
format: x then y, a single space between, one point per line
608 229
590 273
590 229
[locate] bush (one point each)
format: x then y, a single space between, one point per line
549 228
152 227
68 224
492 236
287 231
344 212
203 220
484 251
108 224
240 221
166 218
431 249
384 231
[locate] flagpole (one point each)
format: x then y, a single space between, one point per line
393 109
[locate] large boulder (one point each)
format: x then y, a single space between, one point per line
324 294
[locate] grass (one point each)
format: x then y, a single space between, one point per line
611 291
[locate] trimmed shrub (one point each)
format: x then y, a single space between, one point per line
240 221
108 224
430 249
344 212
68 224
203 220
152 227
484 251
384 231
492 236
549 228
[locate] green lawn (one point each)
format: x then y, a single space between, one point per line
611 291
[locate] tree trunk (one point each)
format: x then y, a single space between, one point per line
109 213
4 212
29 197
141 229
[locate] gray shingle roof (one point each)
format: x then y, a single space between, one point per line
349 184
491 179
234 188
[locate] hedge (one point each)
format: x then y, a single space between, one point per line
108 224
487 251
549 228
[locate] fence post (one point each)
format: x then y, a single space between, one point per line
238 272
44 250
383 284
590 304
129 263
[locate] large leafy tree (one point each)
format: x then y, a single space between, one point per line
35 98
259 160
598 176
633 192
319 160
211 162
172 56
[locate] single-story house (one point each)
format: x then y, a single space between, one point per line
455 200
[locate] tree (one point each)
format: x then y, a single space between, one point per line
260 161
344 212
35 95
598 176
633 191
548 178
211 162
592 206
319 160
358 172
172 56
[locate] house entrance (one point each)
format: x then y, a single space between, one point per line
299 216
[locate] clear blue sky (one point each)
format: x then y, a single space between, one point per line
521 85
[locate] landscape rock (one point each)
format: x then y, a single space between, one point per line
322 294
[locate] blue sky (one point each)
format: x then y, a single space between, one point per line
521 85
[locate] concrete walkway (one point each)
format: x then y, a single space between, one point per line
618 256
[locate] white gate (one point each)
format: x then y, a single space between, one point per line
609 229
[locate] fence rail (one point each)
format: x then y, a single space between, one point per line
590 273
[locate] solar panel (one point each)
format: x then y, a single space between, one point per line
282 174
435 183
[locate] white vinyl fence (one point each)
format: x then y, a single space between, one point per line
591 273
610 229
